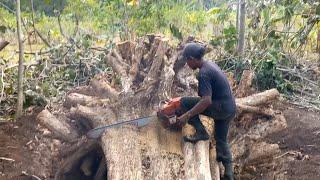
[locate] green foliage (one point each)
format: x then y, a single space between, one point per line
7 20
280 29
267 75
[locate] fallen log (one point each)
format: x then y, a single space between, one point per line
262 98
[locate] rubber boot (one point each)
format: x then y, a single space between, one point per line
201 133
228 172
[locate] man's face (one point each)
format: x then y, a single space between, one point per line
192 63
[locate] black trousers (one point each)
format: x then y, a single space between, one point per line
221 125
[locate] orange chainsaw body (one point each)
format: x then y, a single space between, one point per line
167 113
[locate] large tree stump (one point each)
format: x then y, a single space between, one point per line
150 71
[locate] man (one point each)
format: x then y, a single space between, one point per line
216 101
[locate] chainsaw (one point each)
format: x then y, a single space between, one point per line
167 113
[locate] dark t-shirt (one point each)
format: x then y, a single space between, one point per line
214 83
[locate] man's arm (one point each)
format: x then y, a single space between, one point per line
202 105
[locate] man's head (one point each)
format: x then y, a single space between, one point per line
193 54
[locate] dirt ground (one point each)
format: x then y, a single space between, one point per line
23 146
299 144
24 142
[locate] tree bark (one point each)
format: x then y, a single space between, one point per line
59 127
244 88
214 166
21 67
242 18
73 99
74 159
262 98
202 160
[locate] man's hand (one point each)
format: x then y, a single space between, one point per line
182 120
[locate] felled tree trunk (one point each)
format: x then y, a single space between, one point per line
150 71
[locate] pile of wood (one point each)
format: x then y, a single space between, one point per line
145 72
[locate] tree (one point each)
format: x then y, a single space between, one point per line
241 25
21 68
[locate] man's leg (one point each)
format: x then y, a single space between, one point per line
222 146
188 103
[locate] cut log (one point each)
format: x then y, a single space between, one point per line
259 98
59 127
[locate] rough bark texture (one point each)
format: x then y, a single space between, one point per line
59 127
244 88
21 67
150 71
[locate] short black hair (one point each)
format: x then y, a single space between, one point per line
194 51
